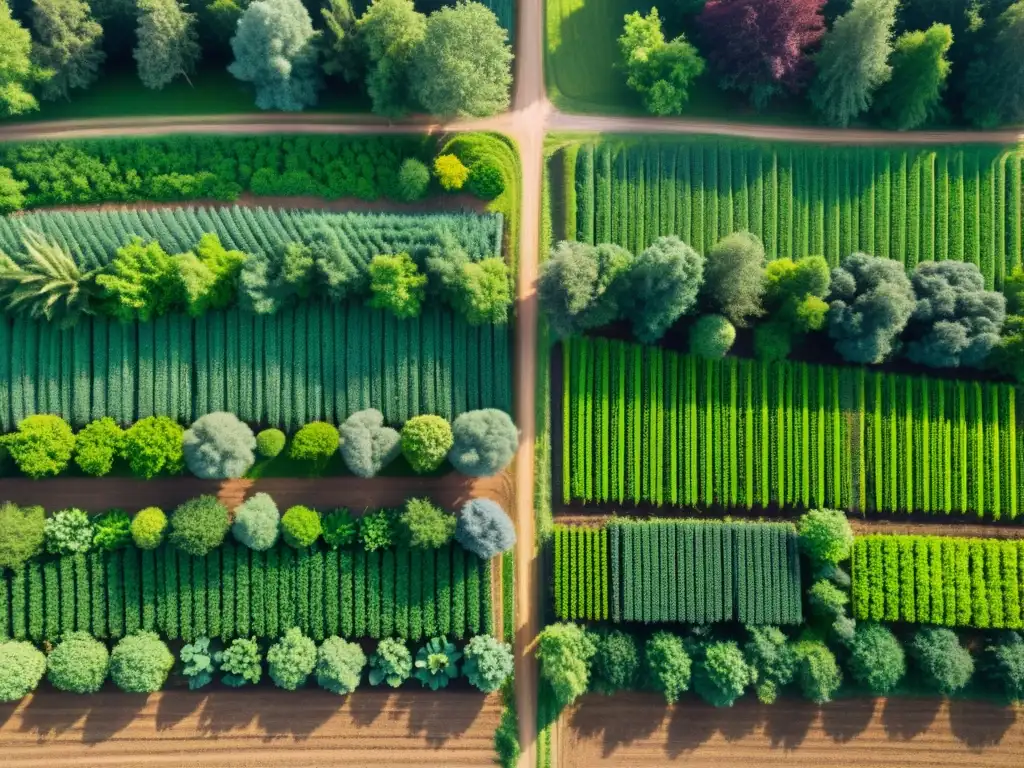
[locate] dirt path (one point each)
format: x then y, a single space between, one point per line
638 730
250 729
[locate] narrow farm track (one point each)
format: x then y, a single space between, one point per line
250 729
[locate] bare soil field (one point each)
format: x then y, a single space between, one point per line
638 730
250 729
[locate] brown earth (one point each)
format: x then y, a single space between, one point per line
262 728
638 730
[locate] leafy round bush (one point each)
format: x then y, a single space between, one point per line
486 180
816 670
112 530
240 662
140 663
668 665
437 663
78 664
564 651
827 600
257 522
771 654
291 660
772 342
270 443
413 180
422 525
711 337
484 442
339 665
154 445
877 660
300 527
723 674
487 662
367 446
616 663
944 664
450 171
316 442
41 446
97 446
391 664
1006 666
485 529
22 534
426 441
826 535
376 530
148 527
199 525
340 529
68 531
21 668
219 446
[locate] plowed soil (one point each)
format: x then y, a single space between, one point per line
250 729
638 730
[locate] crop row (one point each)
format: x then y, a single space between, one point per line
644 425
581 572
939 580
237 592
961 203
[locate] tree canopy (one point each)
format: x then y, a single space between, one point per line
660 71
391 30
168 42
662 287
995 91
920 68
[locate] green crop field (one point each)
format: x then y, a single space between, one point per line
644 425
960 203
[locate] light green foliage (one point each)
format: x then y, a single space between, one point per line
197 663
616 663
422 525
1006 666
437 663
46 283
275 49
315 442
826 536
817 672
22 533
367 446
17 72
565 651
219 446
391 663
257 522
426 441
140 282
67 44
78 664
722 674
711 337
485 292
487 663
877 660
140 663
583 287
463 67
660 71
484 442
153 446
199 525
68 531
291 660
734 277
42 446
667 665
944 664
21 669
827 600
112 530
240 662
208 275
392 31
168 42
340 529
300 526
397 285
450 172
339 665
794 292
270 443
148 527
995 92
913 94
98 445
663 285
12 197
376 530
413 179
772 656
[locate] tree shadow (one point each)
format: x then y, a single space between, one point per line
788 721
49 713
980 724
692 724
615 732
436 718
280 720
7 710
174 707
107 718
367 706
905 717
225 711
847 719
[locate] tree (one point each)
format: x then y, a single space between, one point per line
956 322
17 72
397 285
451 173
877 660
661 72
761 47
275 50
667 665
98 445
300 527
1008 356
21 669
339 665
46 283
795 291
426 441
413 180
392 31
140 663
484 291
78 664
342 50
12 190
485 529
463 67
199 525
817 671
257 522
771 655
487 663
734 277
825 536
852 61
564 651
41 446
722 674
153 445
141 282
582 286
67 45
711 337
315 442
944 664
367 446
616 663
913 94
872 300
995 92
484 442
662 287
219 446
1005 667
22 533
422 525
168 42
290 661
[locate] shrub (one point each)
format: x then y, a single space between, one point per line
827 599
1006 666
945 665
484 442
772 342
423 525
339 665
291 660
877 660
154 445
21 669
199 525
486 180
148 527
300 526
711 337
484 529
68 531
315 442
376 530
723 674
112 530
564 651
219 446
484 292
616 663
487 663
240 662
437 663
734 277
426 441
667 665
391 664
22 534
197 663
140 663
397 285
340 529
270 443
772 657
42 445
581 286
826 536
662 286
816 670
257 522
413 180
78 664
450 172
367 446
97 446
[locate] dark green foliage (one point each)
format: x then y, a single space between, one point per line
817 672
871 301
199 525
240 662
667 665
711 337
583 287
944 664
722 674
877 660
376 530
1005 665
112 530
616 662
769 652
391 663
486 180
734 278
339 529
413 180
663 284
